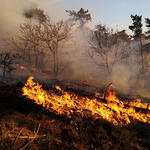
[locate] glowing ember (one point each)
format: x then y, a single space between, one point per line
32 68
63 102
23 68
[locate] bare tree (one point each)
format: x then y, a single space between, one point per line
6 61
29 44
108 46
40 40
55 35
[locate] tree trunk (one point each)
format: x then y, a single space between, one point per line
54 63
141 50
57 62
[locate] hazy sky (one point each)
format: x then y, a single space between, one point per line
113 13
110 12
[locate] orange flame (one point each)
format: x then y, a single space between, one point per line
23 68
138 103
66 103
32 68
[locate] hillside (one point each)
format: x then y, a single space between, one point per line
26 125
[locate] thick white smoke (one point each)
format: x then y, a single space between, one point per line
12 13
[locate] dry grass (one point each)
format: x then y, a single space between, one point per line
25 125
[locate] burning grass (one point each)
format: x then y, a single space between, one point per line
66 103
58 131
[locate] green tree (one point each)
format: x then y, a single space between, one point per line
136 28
147 21
81 16
35 13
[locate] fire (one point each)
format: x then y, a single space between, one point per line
19 66
23 68
138 103
32 69
67 103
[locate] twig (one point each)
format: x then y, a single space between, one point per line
28 137
17 136
32 139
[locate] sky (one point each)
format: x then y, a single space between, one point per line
115 14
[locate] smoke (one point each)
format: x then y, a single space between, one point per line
12 14
128 78
80 67
120 78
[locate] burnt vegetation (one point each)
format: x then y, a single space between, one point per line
20 119
41 44
6 61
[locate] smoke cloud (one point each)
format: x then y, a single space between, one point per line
81 67
12 13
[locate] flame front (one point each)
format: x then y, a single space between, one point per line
66 103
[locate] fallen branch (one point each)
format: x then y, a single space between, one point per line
32 138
